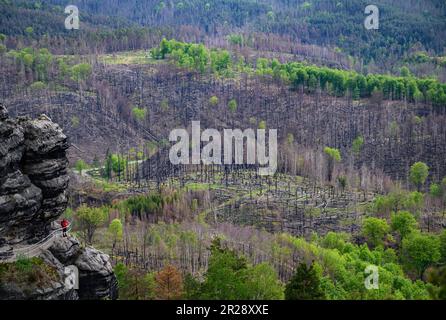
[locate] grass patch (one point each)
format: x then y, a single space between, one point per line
197 186
28 273
128 58
109 186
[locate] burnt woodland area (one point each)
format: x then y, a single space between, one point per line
394 137
396 133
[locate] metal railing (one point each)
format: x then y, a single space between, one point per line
35 248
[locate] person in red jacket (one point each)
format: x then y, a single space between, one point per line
64 223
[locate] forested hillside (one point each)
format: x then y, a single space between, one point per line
407 29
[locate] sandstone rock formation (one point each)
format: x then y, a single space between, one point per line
33 177
33 184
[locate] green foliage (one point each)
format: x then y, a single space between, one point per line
418 174
29 31
333 153
213 101
437 277
134 284
336 82
164 105
89 219
342 270
114 163
435 190
37 86
342 181
333 240
404 71
225 276
357 144
375 230
304 285
397 201
75 121
115 230
230 277
232 105
404 223
81 166
80 72
139 113
420 251
262 283
149 204
290 138
235 39
192 288
35 60
28 274
443 246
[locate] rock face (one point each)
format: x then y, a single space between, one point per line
96 277
33 184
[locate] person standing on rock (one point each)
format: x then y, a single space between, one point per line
64 223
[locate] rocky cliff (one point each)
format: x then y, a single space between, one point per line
33 184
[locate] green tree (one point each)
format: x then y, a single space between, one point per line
192 287
304 285
232 105
357 144
419 251
115 231
333 156
418 174
435 190
437 276
262 283
37 86
114 163
404 223
405 72
139 113
226 275
80 72
375 230
443 246
333 153
290 139
81 166
75 121
213 101
29 31
164 105
134 284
